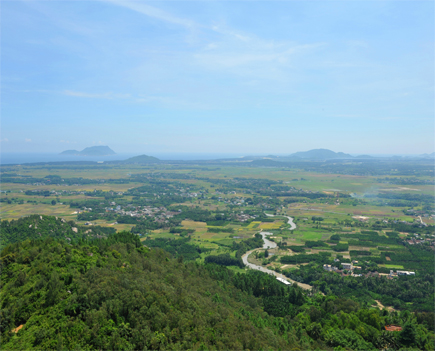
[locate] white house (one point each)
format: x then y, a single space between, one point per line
347 266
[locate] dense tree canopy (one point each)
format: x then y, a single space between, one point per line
110 292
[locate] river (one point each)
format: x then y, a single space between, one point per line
290 220
271 245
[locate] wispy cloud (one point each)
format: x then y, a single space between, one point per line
172 102
366 117
256 51
28 140
347 115
79 94
109 96
230 32
231 48
139 98
151 11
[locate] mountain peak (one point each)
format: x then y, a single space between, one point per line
142 159
91 151
320 154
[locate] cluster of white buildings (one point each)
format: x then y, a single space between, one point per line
399 273
156 212
345 266
243 217
351 267
329 268
238 201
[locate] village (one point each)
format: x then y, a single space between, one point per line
348 269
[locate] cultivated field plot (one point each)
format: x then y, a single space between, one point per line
322 205
16 211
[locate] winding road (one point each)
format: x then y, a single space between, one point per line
271 245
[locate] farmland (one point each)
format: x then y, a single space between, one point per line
340 218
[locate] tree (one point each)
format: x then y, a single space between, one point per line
266 254
335 237
409 333
53 202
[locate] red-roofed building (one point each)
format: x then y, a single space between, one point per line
393 328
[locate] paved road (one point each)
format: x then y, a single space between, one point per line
270 244
268 271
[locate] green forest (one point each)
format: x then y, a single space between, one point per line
110 292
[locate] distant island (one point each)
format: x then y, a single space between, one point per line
142 159
320 154
90 151
325 154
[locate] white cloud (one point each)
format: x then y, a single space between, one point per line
230 50
257 50
151 11
172 102
5 140
95 96
255 58
28 140
230 33
347 115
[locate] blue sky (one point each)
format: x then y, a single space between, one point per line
246 77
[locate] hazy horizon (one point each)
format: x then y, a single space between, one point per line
222 77
180 155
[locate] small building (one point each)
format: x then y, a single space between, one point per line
393 328
348 266
405 273
361 218
327 267
372 274
283 281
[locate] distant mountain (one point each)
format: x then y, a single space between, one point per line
70 152
97 151
245 158
267 163
432 155
320 154
91 151
142 159
364 156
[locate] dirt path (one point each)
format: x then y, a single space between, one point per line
381 306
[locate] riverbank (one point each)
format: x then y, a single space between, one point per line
271 245
290 220
268 271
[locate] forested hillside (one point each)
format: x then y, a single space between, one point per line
115 294
40 227
118 295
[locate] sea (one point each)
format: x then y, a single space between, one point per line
22 158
